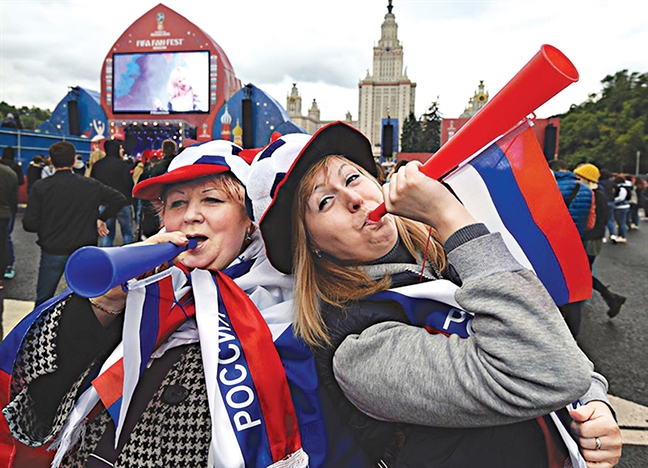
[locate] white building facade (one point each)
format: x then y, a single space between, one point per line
387 92
310 122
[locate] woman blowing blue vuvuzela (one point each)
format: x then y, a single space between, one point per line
193 373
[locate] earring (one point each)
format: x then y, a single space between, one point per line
248 237
318 253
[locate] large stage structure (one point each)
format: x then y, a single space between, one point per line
166 78
163 78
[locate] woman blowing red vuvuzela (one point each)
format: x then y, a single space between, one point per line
436 346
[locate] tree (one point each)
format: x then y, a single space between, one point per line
609 127
431 129
30 117
411 136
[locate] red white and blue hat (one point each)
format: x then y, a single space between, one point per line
204 159
277 171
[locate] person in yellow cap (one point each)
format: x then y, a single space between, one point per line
589 174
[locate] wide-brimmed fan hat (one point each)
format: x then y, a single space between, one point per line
200 160
277 171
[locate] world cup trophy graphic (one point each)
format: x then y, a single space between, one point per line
160 21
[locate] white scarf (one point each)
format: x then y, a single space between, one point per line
271 292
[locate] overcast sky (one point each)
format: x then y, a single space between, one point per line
326 47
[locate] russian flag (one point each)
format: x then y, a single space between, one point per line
156 307
510 188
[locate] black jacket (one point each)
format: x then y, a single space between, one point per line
63 209
8 193
161 166
34 173
607 187
16 168
114 172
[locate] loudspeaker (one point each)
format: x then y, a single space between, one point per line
73 118
248 133
550 149
387 147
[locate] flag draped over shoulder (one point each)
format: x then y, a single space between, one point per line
249 392
510 188
254 423
155 310
157 305
253 418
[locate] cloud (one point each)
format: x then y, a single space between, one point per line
306 67
326 47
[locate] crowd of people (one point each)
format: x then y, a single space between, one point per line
604 207
296 331
626 195
137 219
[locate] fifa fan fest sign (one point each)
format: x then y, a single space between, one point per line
159 44
164 74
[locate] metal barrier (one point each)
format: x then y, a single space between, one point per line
28 143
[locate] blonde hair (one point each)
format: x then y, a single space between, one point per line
94 157
322 279
173 86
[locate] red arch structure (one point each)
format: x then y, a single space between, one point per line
141 67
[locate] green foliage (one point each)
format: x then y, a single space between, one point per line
431 126
411 136
31 118
423 135
609 128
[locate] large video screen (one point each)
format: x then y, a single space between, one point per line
161 82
